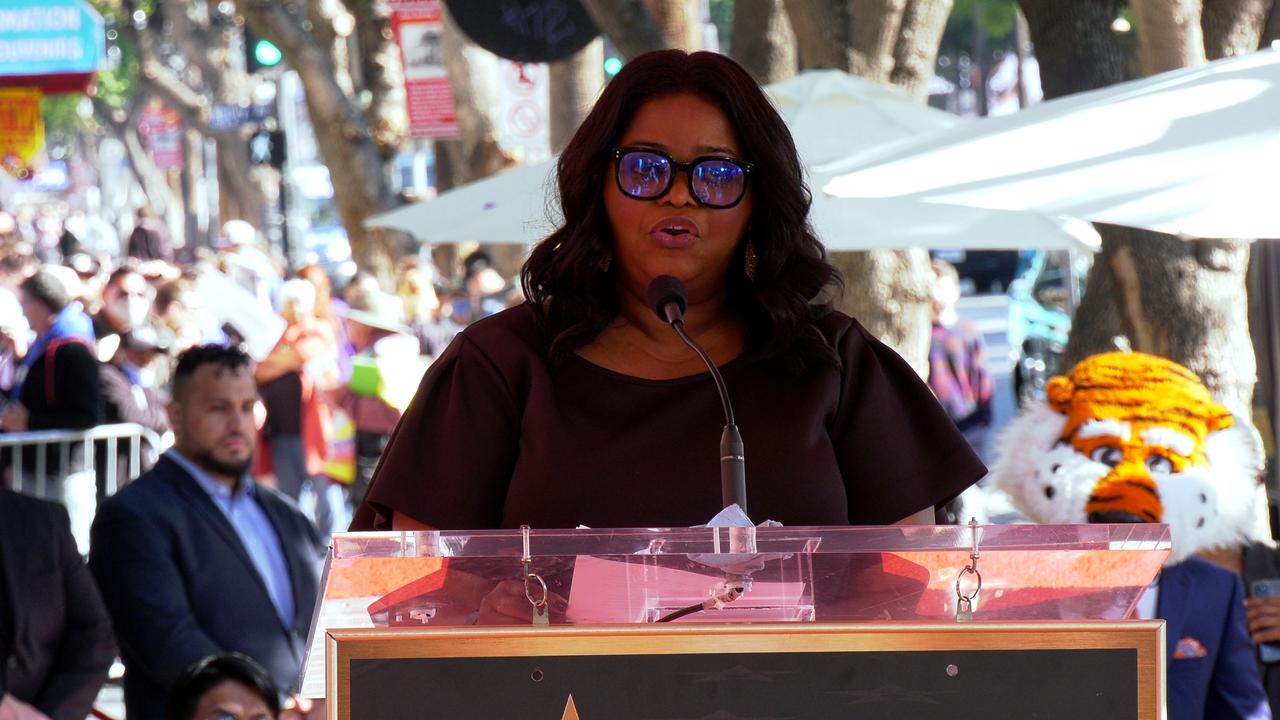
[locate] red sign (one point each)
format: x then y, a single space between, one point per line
161 129
429 97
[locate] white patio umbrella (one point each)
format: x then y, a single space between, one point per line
832 116
1191 152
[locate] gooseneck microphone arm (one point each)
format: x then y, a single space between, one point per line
668 297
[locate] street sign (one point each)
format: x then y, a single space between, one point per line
21 130
229 117
525 30
52 44
428 95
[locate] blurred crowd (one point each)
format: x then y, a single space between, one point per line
337 357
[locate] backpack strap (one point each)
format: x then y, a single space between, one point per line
49 391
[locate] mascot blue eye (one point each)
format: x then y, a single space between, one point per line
1108 455
1159 464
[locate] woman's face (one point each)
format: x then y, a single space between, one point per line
675 234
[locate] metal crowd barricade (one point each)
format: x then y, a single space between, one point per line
76 484
38 441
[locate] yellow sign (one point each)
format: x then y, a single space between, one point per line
21 130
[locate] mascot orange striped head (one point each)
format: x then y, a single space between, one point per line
1130 437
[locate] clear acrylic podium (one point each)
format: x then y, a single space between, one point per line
404 622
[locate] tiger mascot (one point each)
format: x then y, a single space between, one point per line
1127 437
1130 437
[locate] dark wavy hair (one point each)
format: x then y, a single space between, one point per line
574 298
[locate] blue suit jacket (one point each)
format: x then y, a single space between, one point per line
180 585
1212 671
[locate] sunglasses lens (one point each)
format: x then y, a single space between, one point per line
643 175
718 183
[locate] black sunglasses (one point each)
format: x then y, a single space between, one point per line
715 181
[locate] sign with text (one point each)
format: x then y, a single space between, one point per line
428 95
21 130
526 30
49 38
161 130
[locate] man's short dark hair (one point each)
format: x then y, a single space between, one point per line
48 289
231 358
204 675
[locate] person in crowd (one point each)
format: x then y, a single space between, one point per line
958 377
58 384
15 332
126 303
957 369
226 686
150 237
193 558
385 362
55 637
177 308
582 406
130 394
247 263
292 381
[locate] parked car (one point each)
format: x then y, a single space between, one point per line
1042 299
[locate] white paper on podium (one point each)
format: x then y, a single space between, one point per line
609 591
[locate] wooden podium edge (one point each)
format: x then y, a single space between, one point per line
1146 637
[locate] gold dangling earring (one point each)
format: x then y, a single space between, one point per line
749 261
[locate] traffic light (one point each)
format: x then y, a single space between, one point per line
612 65
259 54
267 147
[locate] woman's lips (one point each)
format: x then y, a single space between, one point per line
674 232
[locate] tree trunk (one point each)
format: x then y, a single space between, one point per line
1271 30
915 54
1169 34
1233 27
629 25
680 21
381 73
123 124
1074 44
889 291
1184 300
877 25
345 139
762 40
823 31
575 84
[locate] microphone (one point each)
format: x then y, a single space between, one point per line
669 298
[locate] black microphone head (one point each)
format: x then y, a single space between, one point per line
664 290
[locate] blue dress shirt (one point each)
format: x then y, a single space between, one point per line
255 530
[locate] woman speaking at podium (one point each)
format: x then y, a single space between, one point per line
583 407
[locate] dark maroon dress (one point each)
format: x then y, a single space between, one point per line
497 437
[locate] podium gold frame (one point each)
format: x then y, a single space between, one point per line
1145 638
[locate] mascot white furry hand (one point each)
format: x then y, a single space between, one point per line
1130 437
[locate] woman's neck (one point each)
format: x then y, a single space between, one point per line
640 344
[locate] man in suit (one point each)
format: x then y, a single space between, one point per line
1211 668
55 636
193 557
